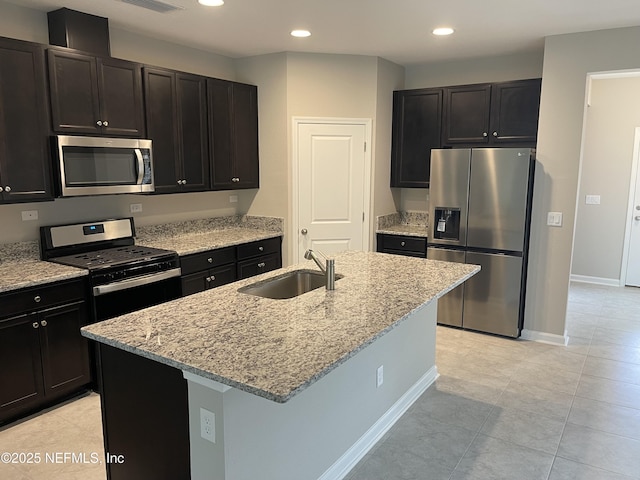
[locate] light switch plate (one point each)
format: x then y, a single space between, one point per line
135 207
554 219
592 200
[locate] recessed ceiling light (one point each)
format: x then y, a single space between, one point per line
443 31
300 33
211 3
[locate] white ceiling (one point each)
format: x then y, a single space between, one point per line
398 30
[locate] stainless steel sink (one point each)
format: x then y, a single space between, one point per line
287 285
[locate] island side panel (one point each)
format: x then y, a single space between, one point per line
323 431
145 417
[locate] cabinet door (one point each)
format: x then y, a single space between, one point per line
73 84
466 114
220 130
417 123
24 145
514 111
162 128
65 352
245 136
20 365
120 92
233 135
192 132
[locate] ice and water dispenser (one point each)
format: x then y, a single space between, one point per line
446 225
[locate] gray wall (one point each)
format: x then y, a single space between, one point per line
567 60
611 119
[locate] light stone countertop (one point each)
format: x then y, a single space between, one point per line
277 348
409 230
21 267
196 236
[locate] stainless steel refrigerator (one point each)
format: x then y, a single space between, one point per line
480 212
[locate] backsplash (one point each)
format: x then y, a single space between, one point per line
207 224
403 218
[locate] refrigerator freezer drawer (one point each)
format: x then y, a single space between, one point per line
492 296
450 305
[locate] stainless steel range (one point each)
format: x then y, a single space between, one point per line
124 277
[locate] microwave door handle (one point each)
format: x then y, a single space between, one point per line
140 165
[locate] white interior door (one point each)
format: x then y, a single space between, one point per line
633 260
331 187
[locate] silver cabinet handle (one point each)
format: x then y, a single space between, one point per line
105 124
43 323
261 249
1 189
208 279
235 179
261 265
184 181
37 299
213 277
35 324
7 188
210 259
304 231
495 134
484 134
99 123
402 244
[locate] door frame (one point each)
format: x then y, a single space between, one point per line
295 227
635 171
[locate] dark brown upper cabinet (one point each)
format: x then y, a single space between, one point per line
417 120
466 114
500 113
233 135
95 95
25 173
175 105
514 111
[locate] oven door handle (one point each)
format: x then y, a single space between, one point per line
135 282
140 166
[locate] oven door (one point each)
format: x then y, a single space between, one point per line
118 298
102 166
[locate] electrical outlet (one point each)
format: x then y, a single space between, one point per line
208 425
233 198
135 207
380 375
29 215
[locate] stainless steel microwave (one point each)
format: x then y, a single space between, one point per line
103 166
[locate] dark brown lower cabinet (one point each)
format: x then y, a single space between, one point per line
409 246
145 416
43 357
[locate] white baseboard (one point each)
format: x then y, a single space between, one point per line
359 449
611 282
543 337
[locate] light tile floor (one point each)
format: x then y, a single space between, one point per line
501 409
505 409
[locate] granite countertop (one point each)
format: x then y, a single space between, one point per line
277 348
201 235
414 224
21 267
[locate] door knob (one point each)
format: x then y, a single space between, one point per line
304 231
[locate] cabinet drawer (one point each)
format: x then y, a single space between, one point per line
39 298
261 247
404 243
256 266
198 262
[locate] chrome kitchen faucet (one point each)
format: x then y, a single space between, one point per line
329 269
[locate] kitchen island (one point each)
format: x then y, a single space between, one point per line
293 384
